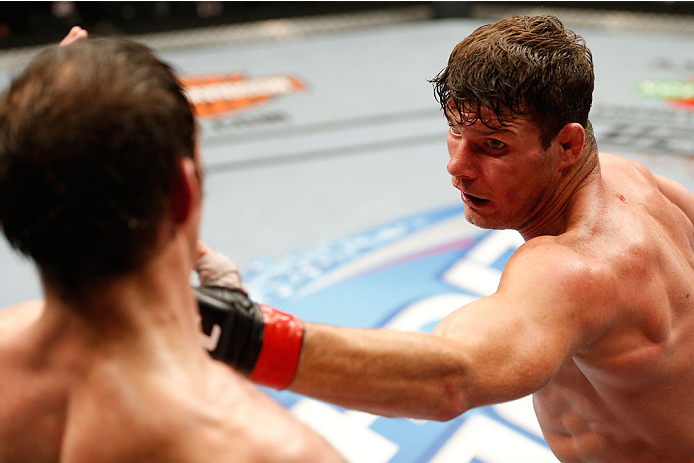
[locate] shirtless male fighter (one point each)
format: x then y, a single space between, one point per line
594 313
101 185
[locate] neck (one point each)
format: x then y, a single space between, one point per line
149 312
552 217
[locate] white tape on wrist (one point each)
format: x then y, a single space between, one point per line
216 269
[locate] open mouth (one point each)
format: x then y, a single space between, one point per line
474 200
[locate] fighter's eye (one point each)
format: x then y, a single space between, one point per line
495 144
454 129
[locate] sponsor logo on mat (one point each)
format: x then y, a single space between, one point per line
678 92
406 275
216 95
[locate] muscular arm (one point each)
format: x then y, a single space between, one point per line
384 372
495 349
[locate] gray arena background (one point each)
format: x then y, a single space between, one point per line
363 142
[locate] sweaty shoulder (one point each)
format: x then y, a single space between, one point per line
566 276
563 275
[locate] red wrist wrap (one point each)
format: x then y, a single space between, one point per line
283 337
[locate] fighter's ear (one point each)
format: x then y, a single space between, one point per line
569 142
185 186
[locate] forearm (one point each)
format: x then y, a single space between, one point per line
384 372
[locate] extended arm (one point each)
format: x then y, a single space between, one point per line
495 349
385 372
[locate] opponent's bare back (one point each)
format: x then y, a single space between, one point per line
67 398
110 368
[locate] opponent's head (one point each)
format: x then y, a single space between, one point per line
529 66
92 137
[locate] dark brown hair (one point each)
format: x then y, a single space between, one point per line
521 65
90 135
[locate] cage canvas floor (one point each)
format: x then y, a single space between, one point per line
326 181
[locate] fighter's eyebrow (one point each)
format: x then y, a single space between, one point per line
498 130
486 131
507 125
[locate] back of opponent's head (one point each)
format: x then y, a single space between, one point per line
521 65
90 137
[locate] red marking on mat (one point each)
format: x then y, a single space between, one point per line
215 95
621 198
684 104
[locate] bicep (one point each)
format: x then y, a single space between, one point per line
518 338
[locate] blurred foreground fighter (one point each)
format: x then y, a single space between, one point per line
100 184
594 313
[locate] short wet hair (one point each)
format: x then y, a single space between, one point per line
524 65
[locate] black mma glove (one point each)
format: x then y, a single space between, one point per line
261 342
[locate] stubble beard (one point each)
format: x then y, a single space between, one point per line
486 223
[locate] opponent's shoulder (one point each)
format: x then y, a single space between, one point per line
20 315
270 432
118 411
160 418
124 422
